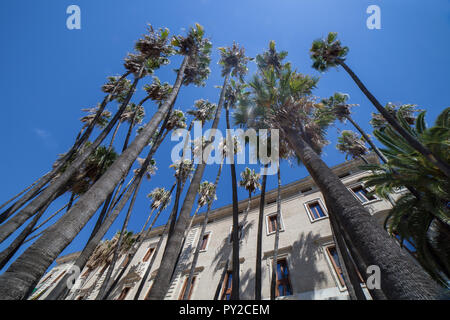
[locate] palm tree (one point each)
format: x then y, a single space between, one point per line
207 195
234 62
352 145
36 188
423 221
406 111
60 291
249 181
183 171
133 114
95 165
173 245
338 106
31 208
303 122
104 254
329 52
160 199
16 284
176 120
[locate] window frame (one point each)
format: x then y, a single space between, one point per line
361 185
338 278
225 289
309 213
281 257
267 219
150 251
208 233
123 295
184 286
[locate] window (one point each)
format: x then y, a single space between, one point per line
124 293
334 258
336 264
185 286
408 244
204 244
227 286
125 261
148 254
362 194
271 221
283 284
315 210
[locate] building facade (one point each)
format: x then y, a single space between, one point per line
308 264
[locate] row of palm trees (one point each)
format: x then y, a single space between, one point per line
276 97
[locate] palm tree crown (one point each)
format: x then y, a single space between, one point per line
351 144
250 180
326 53
160 197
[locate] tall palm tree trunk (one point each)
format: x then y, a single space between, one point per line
367 138
349 270
433 158
228 250
162 282
22 192
105 284
235 232
25 272
277 238
9 252
14 223
401 277
44 222
262 203
114 134
60 291
47 177
199 243
132 252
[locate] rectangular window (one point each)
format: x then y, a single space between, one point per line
272 223
204 241
335 262
148 254
124 293
185 286
334 258
227 286
283 284
362 194
315 210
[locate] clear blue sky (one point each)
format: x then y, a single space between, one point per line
49 73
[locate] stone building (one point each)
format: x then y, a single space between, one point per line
307 255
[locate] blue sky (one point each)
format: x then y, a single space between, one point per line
49 73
